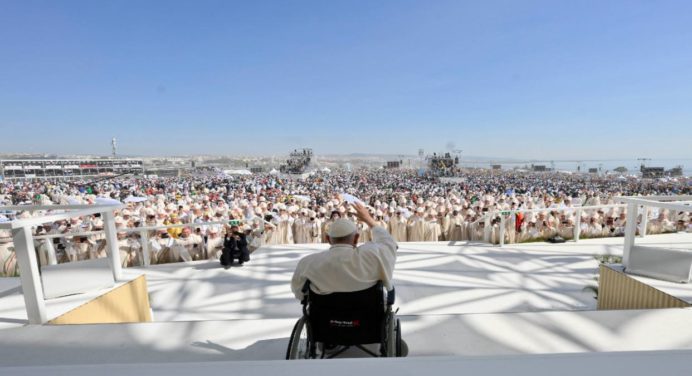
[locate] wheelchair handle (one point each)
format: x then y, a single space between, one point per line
391 296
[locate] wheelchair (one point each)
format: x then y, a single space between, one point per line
346 319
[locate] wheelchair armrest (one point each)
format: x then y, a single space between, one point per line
391 296
305 290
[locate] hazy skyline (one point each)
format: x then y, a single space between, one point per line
529 79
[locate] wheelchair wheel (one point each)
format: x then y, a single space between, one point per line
392 336
398 338
299 343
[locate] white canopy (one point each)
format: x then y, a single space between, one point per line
135 199
106 201
237 172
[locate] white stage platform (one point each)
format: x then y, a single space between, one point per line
621 363
13 311
431 279
431 335
455 299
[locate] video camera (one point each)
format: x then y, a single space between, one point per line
235 222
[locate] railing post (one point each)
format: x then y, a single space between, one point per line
645 221
577 224
487 229
630 232
29 275
502 230
144 241
50 248
112 244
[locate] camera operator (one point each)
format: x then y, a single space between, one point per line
234 246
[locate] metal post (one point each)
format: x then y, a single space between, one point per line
577 225
487 228
52 258
144 241
502 230
29 275
630 232
645 221
112 244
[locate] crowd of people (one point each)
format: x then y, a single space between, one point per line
269 209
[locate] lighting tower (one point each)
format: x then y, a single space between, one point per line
641 167
458 153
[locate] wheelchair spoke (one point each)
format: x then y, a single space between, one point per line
299 343
303 344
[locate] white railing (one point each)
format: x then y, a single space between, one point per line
142 231
504 214
683 203
23 240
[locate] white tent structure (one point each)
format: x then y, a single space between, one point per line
237 172
135 199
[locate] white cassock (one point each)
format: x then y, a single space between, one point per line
523 234
595 230
325 229
299 235
271 236
257 241
457 229
416 229
444 227
548 231
533 233
363 232
164 254
285 233
129 252
312 231
8 259
188 249
433 231
214 248
344 268
397 227
566 232
476 231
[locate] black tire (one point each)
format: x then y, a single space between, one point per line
299 344
398 338
391 336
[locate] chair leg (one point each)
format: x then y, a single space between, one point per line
366 350
337 353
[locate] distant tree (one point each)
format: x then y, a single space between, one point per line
621 169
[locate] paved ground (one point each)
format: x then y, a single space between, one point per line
455 299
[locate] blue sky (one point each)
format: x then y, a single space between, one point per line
522 79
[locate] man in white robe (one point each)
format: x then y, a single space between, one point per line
397 226
299 228
214 243
433 230
313 228
457 227
416 226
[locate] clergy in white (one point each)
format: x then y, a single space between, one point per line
345 267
